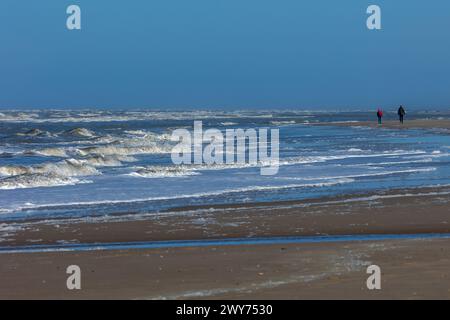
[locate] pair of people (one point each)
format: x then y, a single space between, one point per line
401 115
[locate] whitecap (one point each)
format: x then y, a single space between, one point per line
37 180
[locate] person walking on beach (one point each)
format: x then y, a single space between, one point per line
401 114
379 115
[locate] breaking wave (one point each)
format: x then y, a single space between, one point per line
35 133
281 123
197 195
107 161
67 168
51 152
193 169
163 172
108 150
37 180
45 175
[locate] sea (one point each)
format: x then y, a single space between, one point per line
102 163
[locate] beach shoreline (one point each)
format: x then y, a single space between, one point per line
411 268
266 271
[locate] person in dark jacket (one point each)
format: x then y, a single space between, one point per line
401 113
379 115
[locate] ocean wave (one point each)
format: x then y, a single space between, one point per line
163 172
143 143
37 180
388 163
136 132
55 116
362 175
51 152
35 133
280 123
6 155
107 161
186 196
191 169
108 150
74 116
81 132
326 158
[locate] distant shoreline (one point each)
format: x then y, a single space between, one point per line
394 124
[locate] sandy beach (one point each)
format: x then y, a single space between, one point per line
395 124
411 268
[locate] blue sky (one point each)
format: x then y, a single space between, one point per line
224 53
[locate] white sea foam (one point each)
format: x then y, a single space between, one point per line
7 231
65 168
136 132
37 180
52 152
280 123
163 172
363 175
313 159
108 150
186 170
107 161
35 133
104 116
434 155
194 195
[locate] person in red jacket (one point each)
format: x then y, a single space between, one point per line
379 115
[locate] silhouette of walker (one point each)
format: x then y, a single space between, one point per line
379 115
401 114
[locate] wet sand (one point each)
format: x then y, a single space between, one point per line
395 124
422 210
410 268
